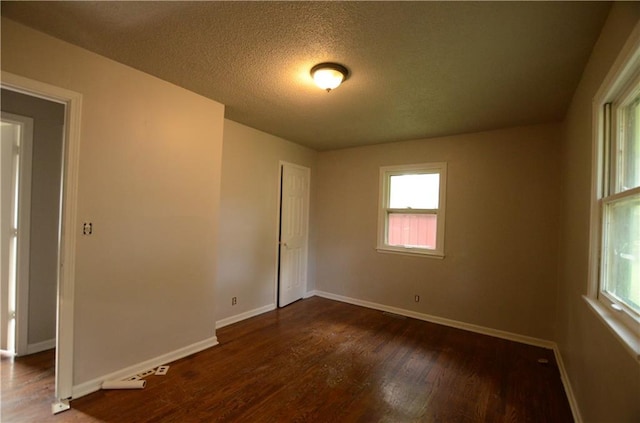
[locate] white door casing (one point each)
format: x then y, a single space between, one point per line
67 242
294 233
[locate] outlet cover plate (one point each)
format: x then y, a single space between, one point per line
162 370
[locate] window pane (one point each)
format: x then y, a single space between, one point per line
629 154
622 261
414 191
412 230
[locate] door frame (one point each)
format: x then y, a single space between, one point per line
281 164
67 227
22 258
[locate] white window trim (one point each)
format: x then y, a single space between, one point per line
626 68
385 172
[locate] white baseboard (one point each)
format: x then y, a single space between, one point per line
242 316
564 376
442 321
41 346
95 384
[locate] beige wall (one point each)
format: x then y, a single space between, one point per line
501 230
604 376
149 180
48 121
249 217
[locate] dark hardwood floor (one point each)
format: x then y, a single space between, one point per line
319 361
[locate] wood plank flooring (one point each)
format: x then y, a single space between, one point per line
319 360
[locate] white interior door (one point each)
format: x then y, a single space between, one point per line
294 233
15 204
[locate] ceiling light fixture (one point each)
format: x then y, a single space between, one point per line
329 76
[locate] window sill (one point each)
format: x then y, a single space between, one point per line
410 252
629 339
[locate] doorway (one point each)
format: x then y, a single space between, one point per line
293 243
67 178
37 221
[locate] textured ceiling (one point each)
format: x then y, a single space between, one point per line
418 69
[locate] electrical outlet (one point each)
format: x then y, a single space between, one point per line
417 298
162 370
234 300
87 228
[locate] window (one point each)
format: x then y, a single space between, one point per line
619 205
411 216
614 291
620 276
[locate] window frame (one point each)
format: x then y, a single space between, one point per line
617 91
386 172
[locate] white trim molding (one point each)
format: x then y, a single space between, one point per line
243 316
95 384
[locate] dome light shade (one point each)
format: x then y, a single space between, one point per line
329 75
